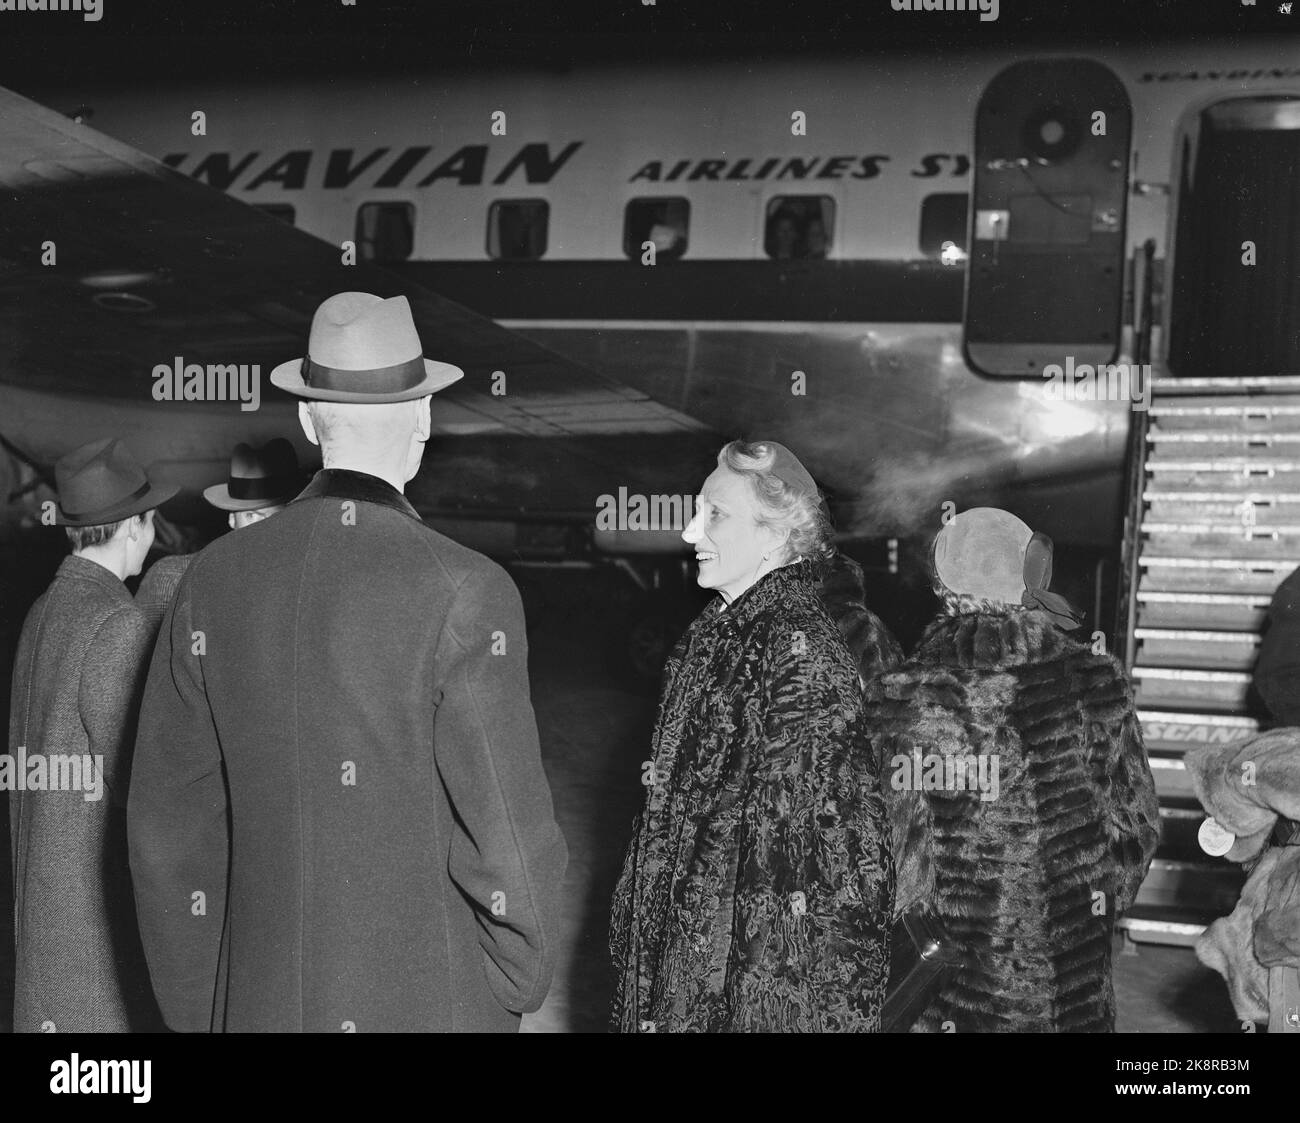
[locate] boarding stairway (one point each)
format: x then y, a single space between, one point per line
1213 528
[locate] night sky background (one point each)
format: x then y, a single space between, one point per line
159 41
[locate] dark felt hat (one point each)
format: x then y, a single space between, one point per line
102 482
259 477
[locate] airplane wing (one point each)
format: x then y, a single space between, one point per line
112 263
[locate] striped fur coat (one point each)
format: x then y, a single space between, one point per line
1024 815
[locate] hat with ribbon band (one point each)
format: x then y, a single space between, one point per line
259 477
102 482
364 349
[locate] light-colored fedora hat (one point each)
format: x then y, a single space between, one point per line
364 349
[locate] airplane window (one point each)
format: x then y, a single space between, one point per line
799 226
665 222
283 211
517 229
385 231
943 227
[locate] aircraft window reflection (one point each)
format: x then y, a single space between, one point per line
665 222
799 226
517 229
385 231
943 227
283 211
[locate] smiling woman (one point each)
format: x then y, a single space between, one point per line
757 511
758 888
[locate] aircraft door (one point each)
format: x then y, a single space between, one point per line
1045 278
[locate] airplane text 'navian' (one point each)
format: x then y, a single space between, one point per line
340 168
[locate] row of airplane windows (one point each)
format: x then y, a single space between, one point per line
796 227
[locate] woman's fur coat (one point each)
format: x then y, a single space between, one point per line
1027 875
758 887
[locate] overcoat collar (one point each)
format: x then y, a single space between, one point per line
344 483
993 640
83 569
782 584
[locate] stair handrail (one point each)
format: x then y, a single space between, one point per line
1136 458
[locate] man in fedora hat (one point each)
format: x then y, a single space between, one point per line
382 852
77 680
1024 811
261 481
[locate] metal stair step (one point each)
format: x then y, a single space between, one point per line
1165 385
1207 650
1208 545
1171 731
1159 924
1172 778
1230 528
1240 612
1205 887
1223 411
1165 479
1160 688
1267 512
1174 573
1261 460
1216 443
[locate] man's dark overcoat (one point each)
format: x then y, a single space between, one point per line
1027 884
340 820
756 893
77 680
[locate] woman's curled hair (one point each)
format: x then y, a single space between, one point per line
782 507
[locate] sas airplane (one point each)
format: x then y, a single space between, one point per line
873 260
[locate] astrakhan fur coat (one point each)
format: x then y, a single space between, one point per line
1027 883
757 890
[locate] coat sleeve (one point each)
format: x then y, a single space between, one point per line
507 854
815 877
108 699
1134 812
176 823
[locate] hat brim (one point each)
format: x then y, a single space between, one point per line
437 376
156 496
219 496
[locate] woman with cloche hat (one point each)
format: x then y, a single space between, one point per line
1023 806
758 886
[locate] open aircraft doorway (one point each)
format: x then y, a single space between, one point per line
1236 241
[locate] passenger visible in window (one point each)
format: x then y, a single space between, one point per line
664 223
816 242
784 240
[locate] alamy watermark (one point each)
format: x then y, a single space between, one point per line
1106 382
958 772
58 772
631 511
988 9
216 382
92 11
